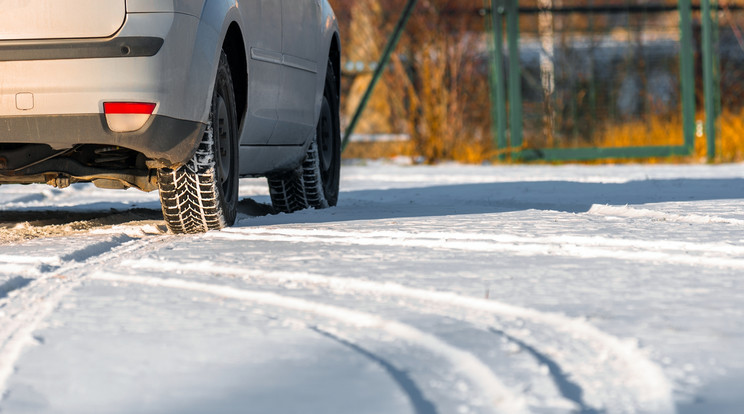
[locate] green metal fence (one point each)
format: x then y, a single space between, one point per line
564 75
567 141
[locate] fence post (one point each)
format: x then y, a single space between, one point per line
710 75
687 74
515 77
498 94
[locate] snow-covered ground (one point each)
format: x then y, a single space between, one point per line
445 289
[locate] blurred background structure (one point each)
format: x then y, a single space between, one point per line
486 80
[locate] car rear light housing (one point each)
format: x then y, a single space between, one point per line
127 116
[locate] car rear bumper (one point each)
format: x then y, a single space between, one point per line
168 140
134 46
53 91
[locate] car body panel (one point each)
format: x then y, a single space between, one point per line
191 7
263 39
301 38
55 19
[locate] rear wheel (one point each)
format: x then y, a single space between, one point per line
315 183
203 194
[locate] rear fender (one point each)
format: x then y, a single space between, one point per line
216 17
329 31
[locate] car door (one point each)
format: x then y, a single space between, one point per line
301 38
263 35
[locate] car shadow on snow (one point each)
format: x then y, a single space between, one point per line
503 197
433 201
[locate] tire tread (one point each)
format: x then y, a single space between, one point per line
190 196
303 187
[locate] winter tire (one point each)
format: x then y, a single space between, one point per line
203 194
315 183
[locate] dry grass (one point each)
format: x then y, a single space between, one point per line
668 131
475 153
731 144
378 150
657 131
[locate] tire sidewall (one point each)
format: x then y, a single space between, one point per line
332 180
224 88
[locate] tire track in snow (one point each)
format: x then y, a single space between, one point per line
562 380
641 385
419 402
35 266
12 285
22 314
718 255
462 362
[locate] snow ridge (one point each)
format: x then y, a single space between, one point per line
632 212
709 254
15 265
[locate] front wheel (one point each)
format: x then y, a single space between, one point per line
315 183
203 194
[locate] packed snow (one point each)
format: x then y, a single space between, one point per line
428 290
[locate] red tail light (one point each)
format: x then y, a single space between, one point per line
139 108
127 116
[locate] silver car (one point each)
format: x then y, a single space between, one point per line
184 96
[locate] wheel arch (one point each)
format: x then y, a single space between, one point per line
330 51
219 27
334 55
234 47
